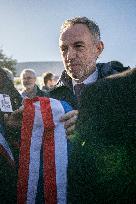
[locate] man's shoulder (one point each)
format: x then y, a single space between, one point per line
40 92
113 83
104 70
110 68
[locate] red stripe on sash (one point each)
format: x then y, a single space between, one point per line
24 158
50 187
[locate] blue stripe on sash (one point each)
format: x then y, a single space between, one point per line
66 106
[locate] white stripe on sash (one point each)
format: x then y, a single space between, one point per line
61 158
34 166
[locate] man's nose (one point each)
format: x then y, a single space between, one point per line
71 53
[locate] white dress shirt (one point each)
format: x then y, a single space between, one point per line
91 79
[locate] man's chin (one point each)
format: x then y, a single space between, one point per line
76 78
29 87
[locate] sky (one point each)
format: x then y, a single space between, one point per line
29 29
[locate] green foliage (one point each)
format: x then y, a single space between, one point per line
17 81
7 62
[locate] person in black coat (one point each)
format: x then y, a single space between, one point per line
102 163
9 141
80 46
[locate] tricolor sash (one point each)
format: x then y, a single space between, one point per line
42 176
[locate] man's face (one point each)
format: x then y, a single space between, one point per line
79 51
28 80
51 83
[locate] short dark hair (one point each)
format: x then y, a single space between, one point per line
92 26
47 76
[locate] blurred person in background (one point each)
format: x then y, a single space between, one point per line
28 80
7 88
49 81
10 100
9 74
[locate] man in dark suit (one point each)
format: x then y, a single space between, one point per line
102 165
80 46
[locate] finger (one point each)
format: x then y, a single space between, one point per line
70 131
70 122
68 115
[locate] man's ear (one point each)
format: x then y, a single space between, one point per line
99 47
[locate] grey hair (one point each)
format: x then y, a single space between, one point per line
28 70
92 26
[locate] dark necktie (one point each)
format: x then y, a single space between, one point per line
78 88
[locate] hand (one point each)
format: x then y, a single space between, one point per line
69 120
14 120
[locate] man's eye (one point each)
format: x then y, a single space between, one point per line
63 49
79 46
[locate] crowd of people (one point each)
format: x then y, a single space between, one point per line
74 140
29 87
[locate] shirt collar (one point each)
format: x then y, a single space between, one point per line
91 79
